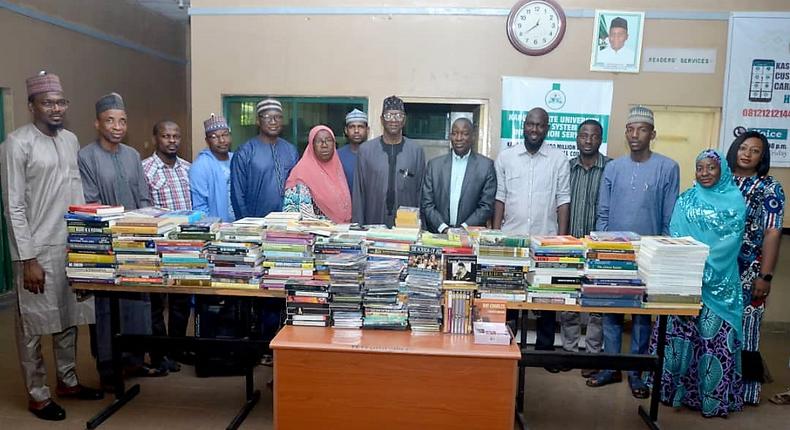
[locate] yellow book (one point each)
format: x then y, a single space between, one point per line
91 258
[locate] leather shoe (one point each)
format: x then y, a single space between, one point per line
80 392
50 411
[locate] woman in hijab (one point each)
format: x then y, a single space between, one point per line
702 369
317 186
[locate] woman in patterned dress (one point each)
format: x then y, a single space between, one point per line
750 159
702 368
317 186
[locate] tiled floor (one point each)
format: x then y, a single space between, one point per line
183 401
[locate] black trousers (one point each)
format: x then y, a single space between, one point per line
545 327
178 310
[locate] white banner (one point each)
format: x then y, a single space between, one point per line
568 102
757 80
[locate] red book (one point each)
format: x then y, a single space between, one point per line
95 208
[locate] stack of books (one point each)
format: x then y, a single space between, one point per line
391 243
288 255
307 303
611 278
279 220
424 288
407 217
672 269
347 274
236 256
382 301
135 244
183 254
503 262
458 301
489 322
91 259
557 270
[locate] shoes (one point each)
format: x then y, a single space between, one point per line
640 392
552 369
604 378
47 410
587 373
79 392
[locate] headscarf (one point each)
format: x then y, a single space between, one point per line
326 180
716 217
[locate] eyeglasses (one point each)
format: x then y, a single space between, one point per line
220 136
390 116
271 118
49 104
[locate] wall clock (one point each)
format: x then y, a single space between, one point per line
536 27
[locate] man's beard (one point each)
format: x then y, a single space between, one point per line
55 127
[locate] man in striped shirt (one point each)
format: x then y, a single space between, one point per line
586 173
167 176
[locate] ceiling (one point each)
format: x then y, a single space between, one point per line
172 9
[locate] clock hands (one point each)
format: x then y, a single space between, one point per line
534 26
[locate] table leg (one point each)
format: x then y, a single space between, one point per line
252 397
520 420
655 397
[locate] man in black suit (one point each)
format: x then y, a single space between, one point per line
459 188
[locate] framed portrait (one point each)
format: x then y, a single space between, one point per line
617 41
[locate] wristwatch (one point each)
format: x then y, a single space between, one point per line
766 277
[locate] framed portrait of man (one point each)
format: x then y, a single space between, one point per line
617 41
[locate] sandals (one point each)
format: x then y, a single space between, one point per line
781 398
640 392
601 379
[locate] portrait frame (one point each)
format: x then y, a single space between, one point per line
626 59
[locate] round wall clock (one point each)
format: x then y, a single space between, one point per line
536 27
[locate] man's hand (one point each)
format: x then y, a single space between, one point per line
33 275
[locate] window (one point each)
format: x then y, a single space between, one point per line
428 123
300 115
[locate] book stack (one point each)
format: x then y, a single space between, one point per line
183 254
489 325
407 217
382 302
307 303
672 269
91 259
236 256
558 267
280 220
135 244
347 274
611 278
458 302
424 288
391 242
502 265
288 255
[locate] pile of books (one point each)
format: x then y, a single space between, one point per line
183 254
424 288
288 255
382 301
236 256
91 259
672 269
458 301
503 262
391 243
611 278
557 270
307 303
489 322
279 220
407 217
135 241
347 274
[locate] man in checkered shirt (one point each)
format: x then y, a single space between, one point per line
167 176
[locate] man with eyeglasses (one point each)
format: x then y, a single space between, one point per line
261 166
40 180
209 177
389 170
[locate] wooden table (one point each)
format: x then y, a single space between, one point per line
583 360
122 342
364 379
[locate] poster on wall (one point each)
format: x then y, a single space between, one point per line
568 102
757 80
617 41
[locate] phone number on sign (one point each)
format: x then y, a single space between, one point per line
767 113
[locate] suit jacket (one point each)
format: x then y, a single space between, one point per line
478 191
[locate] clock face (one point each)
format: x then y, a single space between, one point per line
536 27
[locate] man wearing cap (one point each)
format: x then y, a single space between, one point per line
261 166
638 194
459 187
209 177
167 176
389 170
616 52
40 177
112 174
356 133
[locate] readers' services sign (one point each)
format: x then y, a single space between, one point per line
678 60
568 102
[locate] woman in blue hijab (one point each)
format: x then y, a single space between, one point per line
702 369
